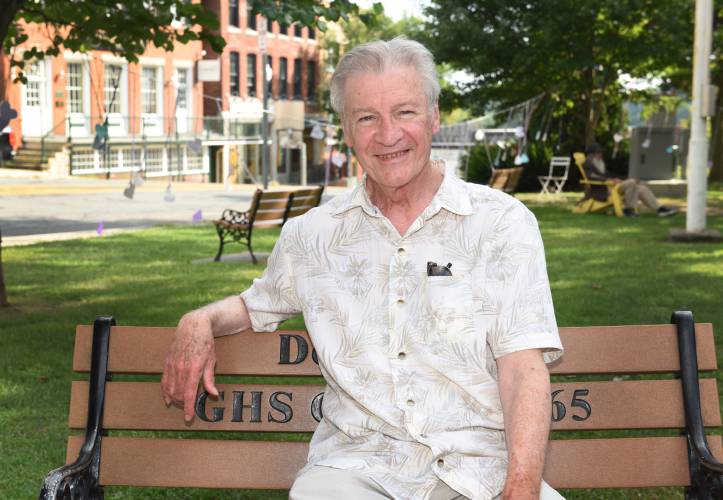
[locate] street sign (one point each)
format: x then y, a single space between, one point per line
209 70
262 28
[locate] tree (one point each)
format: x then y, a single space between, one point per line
368 25
3 293
574 51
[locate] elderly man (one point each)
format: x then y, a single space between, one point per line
427 301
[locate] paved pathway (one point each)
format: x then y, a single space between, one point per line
34 207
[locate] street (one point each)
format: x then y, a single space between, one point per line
41 209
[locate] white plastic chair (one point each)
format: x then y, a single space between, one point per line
553 182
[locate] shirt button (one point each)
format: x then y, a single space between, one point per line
410 402
400 302
402 355
440 462
400 250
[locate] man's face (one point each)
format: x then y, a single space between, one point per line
389 123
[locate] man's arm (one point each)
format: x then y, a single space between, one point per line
525 393
192 353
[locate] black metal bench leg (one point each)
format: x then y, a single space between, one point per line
220 249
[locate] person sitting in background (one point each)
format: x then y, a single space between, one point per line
631 189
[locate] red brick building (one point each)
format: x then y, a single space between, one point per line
158 111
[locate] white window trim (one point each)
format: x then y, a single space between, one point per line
75 57
111 59
182 63
151 61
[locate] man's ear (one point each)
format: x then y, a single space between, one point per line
435 118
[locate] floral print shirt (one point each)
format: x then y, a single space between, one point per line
409 359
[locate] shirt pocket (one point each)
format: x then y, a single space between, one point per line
448 309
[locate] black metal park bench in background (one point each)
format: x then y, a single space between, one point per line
676 452
268 209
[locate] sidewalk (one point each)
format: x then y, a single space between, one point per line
38 208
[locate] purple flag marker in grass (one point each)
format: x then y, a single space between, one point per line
198 216
99 230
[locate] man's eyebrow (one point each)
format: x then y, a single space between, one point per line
357 111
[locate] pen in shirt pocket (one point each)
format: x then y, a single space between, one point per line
436 270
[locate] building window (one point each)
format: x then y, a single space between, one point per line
297 30
233 17
251 75
181 89
149 95
283 28
297 78
33 87
112 88
312 32
250 16
311 80
74 87
283 78
234 74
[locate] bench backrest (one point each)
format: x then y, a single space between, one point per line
605 397
275 207
505 179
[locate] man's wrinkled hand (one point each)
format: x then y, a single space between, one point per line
192 355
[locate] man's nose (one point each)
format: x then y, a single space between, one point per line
389 132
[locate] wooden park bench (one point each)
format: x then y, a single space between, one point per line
669 399
268 209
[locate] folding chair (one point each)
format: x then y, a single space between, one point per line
588 202
553 182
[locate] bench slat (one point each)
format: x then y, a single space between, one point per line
579 463
609 349
637 404
273 204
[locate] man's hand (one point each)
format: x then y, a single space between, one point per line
192 355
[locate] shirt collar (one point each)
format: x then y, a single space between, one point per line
451 195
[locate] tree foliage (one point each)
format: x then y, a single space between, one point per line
572 50
368 25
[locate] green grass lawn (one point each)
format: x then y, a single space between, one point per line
603 270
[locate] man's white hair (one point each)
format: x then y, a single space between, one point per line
378 56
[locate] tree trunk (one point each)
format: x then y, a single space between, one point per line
716 173
7 14
3 294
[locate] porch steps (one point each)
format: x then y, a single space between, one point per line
32 157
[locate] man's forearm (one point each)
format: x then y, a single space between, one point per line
225 317
525 393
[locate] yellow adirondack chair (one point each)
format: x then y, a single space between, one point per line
589 204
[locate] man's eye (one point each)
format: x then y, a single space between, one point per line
366 118
407 112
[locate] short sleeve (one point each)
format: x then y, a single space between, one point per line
272 298
526 317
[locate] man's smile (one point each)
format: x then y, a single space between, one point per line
392 156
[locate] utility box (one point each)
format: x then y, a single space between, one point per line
655 152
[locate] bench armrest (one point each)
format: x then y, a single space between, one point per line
76 480
234 216
80 479
706 473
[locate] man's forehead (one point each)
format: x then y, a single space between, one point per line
393 87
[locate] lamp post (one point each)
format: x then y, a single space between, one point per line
701 106
266 76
